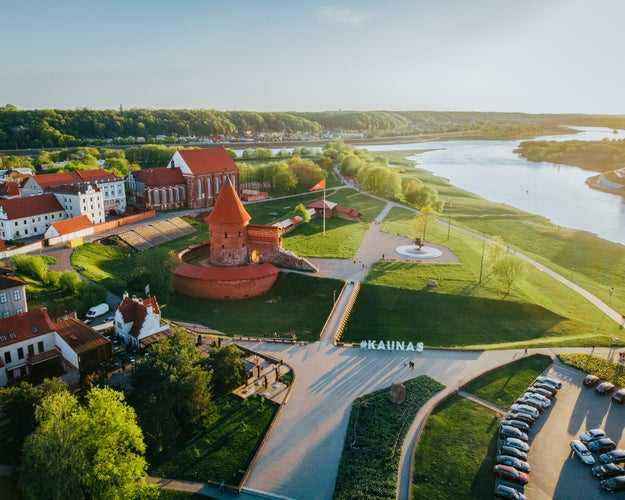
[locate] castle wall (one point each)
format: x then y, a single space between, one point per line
228 244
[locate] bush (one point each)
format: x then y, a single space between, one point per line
602 368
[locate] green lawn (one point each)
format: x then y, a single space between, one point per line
297 303
224 448
375 434
603 368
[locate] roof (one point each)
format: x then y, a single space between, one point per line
214 273
9 189
72 225
136 310
75 177
18 208
164 176
80 337
208 161
319 204
71 188
228 208
7 282
25 326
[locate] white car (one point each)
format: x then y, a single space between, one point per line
583 453
522 408
544 402
591 435
556 384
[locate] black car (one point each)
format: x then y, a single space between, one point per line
523 417
513 462
614 456
546 387
604 388
601 445
606 471
613 484
538 390
513 452
591 380
504 492
523 426
619 396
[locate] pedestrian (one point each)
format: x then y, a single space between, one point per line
592 350
525 353
221 486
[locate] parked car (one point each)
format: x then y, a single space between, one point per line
523 408
541 391
508 431
546 387
601 445
539 404
511 474
579 449
504 492
513 462
606 471
556 384
522 426
619 396
591 435
613 484
513 452
523 417
538 397
516 443
604 388
591 380
614 456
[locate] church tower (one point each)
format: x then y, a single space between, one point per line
227 225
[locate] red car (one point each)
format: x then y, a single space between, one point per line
511 474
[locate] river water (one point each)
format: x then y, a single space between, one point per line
556 192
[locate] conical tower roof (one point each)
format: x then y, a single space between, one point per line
228 208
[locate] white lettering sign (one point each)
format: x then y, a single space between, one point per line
390 345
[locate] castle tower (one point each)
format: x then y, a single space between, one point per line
227 225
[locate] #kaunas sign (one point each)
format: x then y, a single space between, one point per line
391 345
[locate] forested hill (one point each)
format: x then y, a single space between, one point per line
53 128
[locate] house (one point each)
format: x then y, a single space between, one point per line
80 199
331 209
157 188
23 218
138 319
205 171
9 190
27 343
12 296
81 347
69 229
111 186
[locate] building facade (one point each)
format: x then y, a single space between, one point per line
80 199
157 188
12 296
137 319
20 218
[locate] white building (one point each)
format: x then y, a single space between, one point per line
80 199
24 218
136 319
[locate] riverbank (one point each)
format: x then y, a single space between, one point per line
602 183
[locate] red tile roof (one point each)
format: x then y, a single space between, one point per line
159 176
25 326
9 189
72 225
137 310
208 161
18 208
319 204
75 177
228 208
248 272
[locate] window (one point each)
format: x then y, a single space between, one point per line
3 297
6 314
31 350
17 294
19 310
7 357
20 353
12 336
40 346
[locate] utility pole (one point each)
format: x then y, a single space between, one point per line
482 259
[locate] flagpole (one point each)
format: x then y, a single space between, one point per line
324 210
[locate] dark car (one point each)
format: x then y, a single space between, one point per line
513 452
614 456
522 426
591 380
530 402
538 390
613 484
513 462
592 434
511 474
504 492
604 388
517 443
545 387
619 396
523 417
601 445
507 431
606 471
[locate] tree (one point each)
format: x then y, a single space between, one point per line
228 368
422 219
300 210
171 389
495 250
91 451
509 269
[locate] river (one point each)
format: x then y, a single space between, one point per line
556 192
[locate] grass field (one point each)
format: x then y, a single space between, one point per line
225 447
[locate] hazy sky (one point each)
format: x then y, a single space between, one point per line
553 56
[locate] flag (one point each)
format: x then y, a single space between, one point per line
319 186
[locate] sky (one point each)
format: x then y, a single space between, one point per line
543 56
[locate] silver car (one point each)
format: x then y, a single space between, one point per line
579 449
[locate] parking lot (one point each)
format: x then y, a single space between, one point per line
556 473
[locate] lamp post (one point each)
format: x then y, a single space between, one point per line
610 297
482 258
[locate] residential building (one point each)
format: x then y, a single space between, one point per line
24 218
12 296
80 199
69 229
81 347
157 188
138 319
205 171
